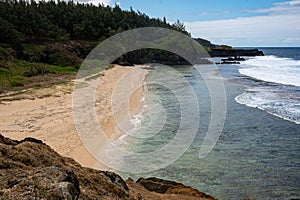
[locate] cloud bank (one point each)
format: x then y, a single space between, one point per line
278 26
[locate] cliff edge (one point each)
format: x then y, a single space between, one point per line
30 169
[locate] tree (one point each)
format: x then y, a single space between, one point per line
179 26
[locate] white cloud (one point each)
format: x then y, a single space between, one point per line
292 6
96 2
279 26
290 3
292 40
271 30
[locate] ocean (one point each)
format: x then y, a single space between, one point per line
257 155
278 81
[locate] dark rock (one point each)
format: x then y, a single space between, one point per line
228 62
29 139
235 52
171 187
115 178
155 184
68 190
7 141
70 177
236 58
231 60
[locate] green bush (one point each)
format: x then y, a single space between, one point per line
16 83
36 69
4 55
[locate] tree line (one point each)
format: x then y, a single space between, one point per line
31 21
54 38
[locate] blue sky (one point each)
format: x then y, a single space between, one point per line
195 10
233 22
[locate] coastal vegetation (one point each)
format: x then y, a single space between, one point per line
46 42
52 38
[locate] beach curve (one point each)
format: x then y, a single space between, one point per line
46 114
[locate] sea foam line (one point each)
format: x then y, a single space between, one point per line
252 105
272 69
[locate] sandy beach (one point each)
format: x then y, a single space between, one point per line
46 113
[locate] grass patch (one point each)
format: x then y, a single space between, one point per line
18 73
4 71
16 83
66 69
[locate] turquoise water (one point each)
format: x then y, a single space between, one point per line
256 157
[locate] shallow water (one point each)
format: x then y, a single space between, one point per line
256 157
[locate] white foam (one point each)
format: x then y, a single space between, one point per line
272 69
273 102
123 142
136 120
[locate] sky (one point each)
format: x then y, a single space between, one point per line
239 23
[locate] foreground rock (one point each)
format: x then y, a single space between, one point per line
29 169
171 187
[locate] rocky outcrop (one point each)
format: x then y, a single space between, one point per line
171 187
205 43
235 52
236 58
29 169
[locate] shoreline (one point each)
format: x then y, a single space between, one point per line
46 114
125 100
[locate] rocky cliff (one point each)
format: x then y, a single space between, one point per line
29 169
